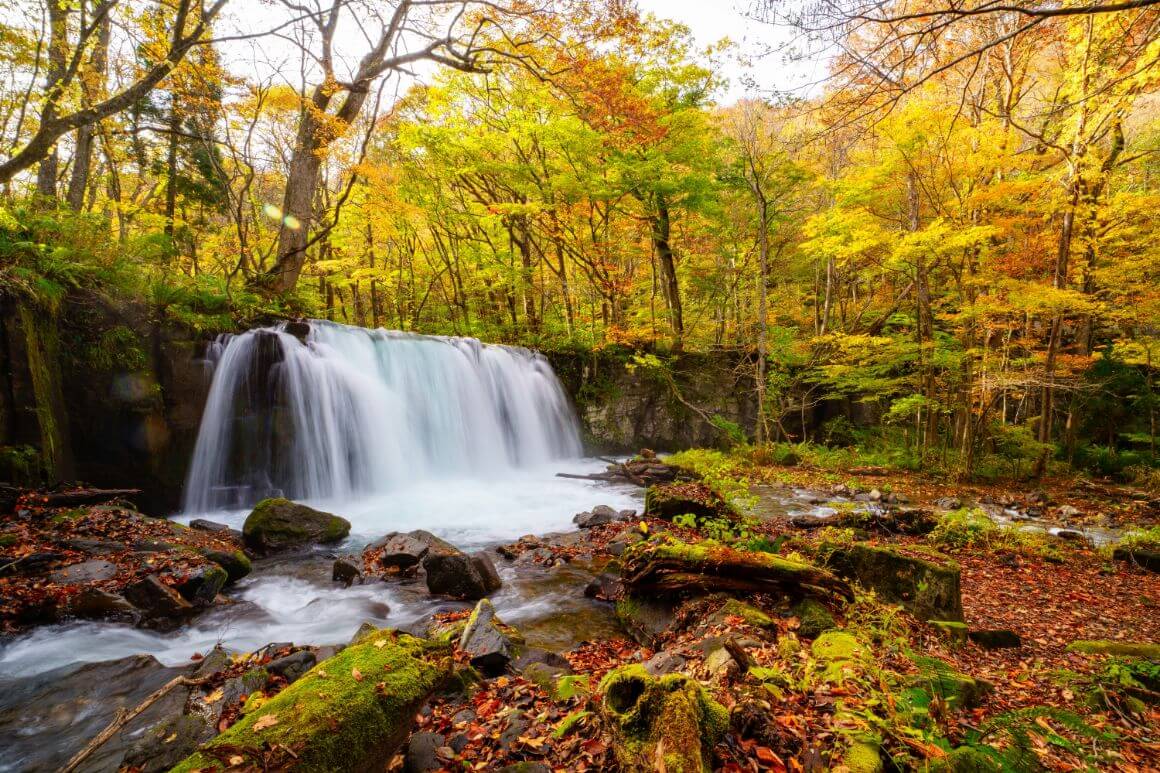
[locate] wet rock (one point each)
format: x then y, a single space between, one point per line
996 639
94 547
587 520
647 620
490 648
605 586
422 753
31 563
201 524
664 662
234 563
487 572
201 587
534 655
346 570
299 328
168 743
627 515
948 503
1068 511
451 572
156 600
278 524
96 604
401 551
294 665
517 725
85 572
1071 535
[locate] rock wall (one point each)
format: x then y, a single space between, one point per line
624 406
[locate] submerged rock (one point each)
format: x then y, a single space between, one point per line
279 524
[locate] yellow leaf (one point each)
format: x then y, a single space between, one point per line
381 643
214 696
269 720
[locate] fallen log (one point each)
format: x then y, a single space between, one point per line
76 497
674 567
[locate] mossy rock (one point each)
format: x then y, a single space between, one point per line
1125 649
747 612
863 757
235 562
929 590
349 712
815 619
279 524
668 723
647 620
837 646
668 500
964 759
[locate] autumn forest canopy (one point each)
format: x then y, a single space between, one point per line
956 222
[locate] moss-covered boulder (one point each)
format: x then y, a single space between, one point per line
938 679
928 589
350 712
279 524
814 619
668 500
965 759
235 563
668 723
1126 649
648 620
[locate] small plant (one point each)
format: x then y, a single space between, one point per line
966 527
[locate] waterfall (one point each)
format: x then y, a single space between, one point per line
345 411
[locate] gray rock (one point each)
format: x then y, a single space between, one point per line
1068 511
202 524
451 572
627 515
294 665
604 586
346 570
1071 535
490 648
948 503
202 586
587 520
165 745
156 599
422 753
487 572
96 604
664 662
534 655
402 551
85 572
234 562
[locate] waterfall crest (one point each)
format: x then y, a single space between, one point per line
347 411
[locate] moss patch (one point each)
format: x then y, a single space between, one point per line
814 619
343 714
1121 648
930 590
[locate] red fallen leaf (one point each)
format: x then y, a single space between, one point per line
766 755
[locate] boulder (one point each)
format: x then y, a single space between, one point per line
667 722
234 562
490 647
938 679
213 527
96 604
346 570
350 712
597 517
201 586
929 590
648 620
668 500
451 572
1146 559
664 662
948 503
156 600
401 551
814 618
278 525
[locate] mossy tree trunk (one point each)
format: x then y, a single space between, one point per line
42 345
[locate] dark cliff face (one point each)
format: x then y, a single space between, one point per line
624 406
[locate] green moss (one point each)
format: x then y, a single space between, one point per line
747 612
344 713
8 539
938 679
863 757
965 759
672 716
929 589
42 349
814 618
235 563
1121 648
280 523
837 646
569 723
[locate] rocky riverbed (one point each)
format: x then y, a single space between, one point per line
791 630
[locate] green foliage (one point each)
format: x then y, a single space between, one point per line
722 472
966 527
1016 730
1145 538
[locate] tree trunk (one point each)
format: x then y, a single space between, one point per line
94 88
760 433
46 173
670 287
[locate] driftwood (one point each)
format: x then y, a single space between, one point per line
675 567
641 472
78 497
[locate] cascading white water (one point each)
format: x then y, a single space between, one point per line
350 412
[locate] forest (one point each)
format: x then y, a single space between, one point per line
883 276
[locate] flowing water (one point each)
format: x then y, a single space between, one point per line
392 431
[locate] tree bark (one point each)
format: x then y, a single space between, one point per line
47 172
670 287
93 86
